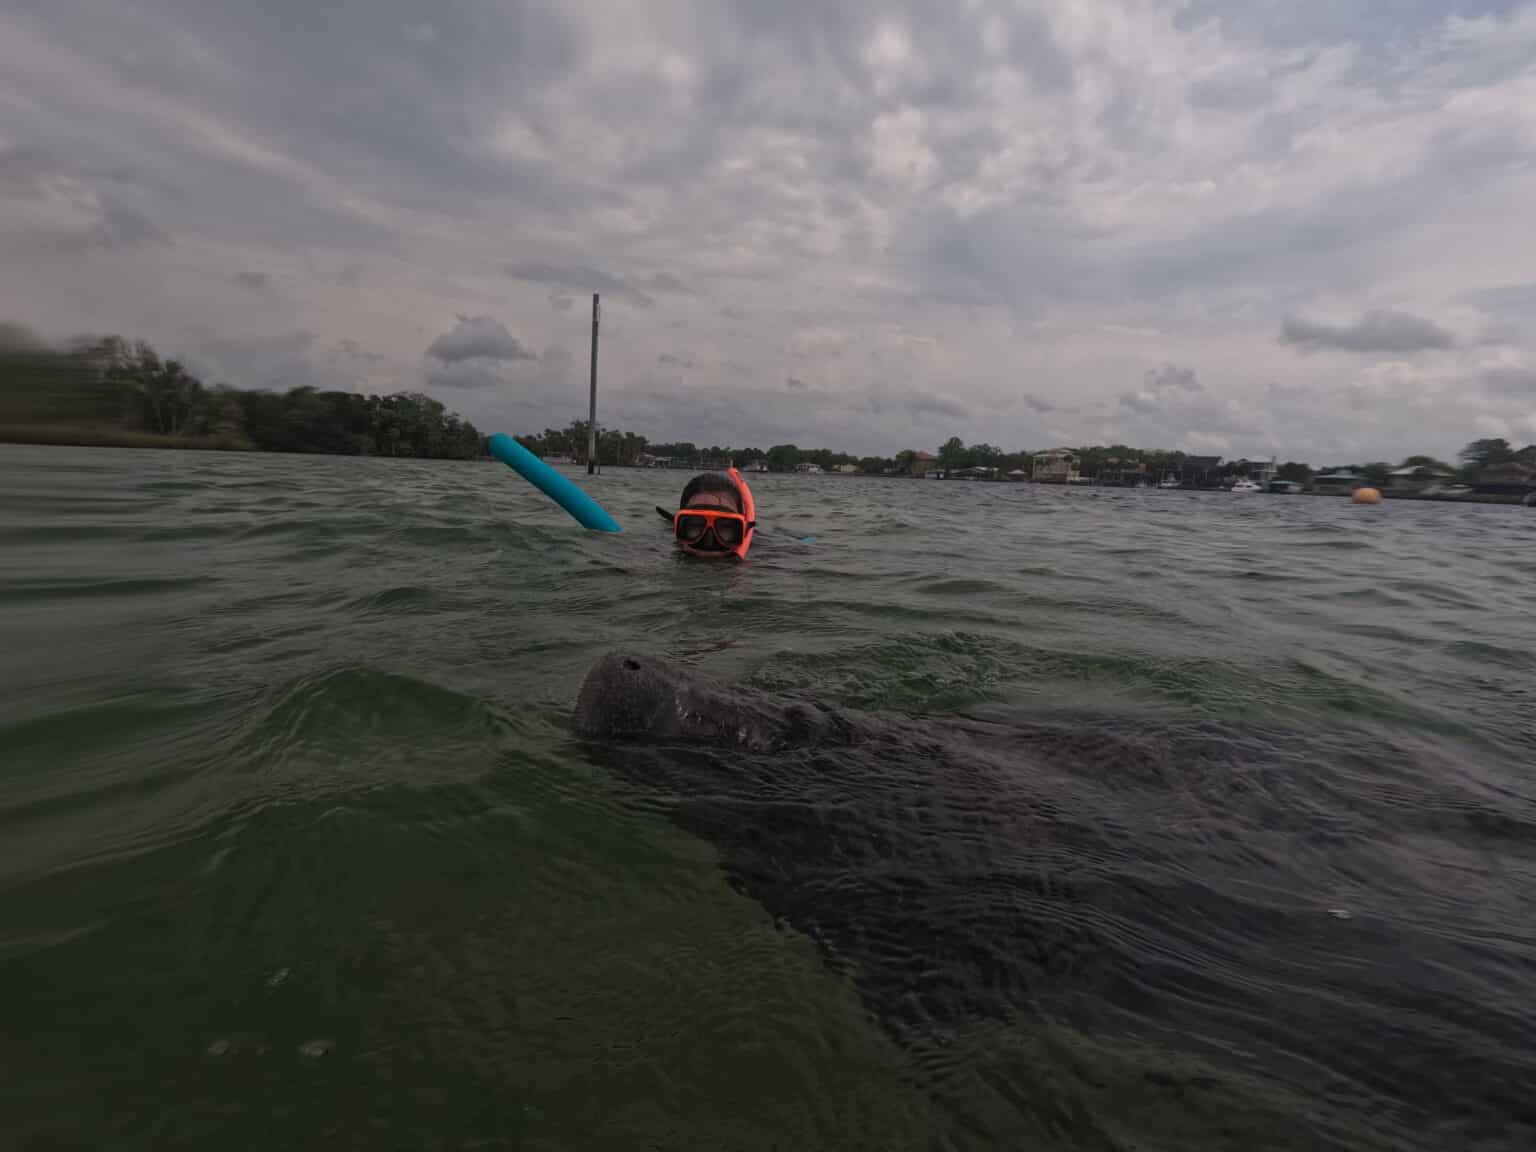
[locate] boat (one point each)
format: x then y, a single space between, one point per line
1169 481
1246 485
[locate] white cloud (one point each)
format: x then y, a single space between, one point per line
477 338
1021 209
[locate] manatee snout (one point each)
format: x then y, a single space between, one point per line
632 697
626 695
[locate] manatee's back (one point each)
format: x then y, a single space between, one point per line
632 697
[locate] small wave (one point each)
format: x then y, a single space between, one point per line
93 588
1482 653
319 721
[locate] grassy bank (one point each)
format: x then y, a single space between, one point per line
107 437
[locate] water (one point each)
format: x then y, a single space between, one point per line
1217 828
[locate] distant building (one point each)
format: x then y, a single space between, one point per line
846 469
1200 472
1418 477
1340 482
755 466
1018 474
1261 472
808 467
923 463
1511 479
1124 474
1058 466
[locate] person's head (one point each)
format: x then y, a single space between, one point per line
710 490
707 535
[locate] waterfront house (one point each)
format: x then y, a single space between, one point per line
1118 473
1339 482
1511 479
1058 466
808 467
1416 478
1261 472
1200 472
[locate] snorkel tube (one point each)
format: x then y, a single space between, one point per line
587 511
748 509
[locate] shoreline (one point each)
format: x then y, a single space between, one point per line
57 436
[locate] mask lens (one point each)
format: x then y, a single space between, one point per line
691 528
728 532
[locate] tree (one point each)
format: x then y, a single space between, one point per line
1295 471
783 458
1426 462
1482 454
1376 473
952 454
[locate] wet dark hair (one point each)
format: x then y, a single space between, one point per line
710 482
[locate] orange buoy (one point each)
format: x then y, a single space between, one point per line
1367 496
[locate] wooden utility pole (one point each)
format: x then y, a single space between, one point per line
592 413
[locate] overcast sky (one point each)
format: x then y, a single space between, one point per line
1303 227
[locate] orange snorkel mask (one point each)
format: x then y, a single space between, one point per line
716 529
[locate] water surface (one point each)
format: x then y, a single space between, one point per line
1217 830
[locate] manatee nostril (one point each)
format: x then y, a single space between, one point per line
631 664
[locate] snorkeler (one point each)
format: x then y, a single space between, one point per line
715 516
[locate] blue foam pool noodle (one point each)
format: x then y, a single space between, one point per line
561 489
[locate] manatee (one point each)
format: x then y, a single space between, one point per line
632 697
1071 920
913 850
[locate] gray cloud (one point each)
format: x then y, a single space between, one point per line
530 382
356 351
1378 331
124 227
891 200
1162 388
794 382
667 359
666 282
1511 381
1172 378
576 278
253 280
465 374
477 338
937 406
277 363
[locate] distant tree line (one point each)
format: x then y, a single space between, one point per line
107 390
615 447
